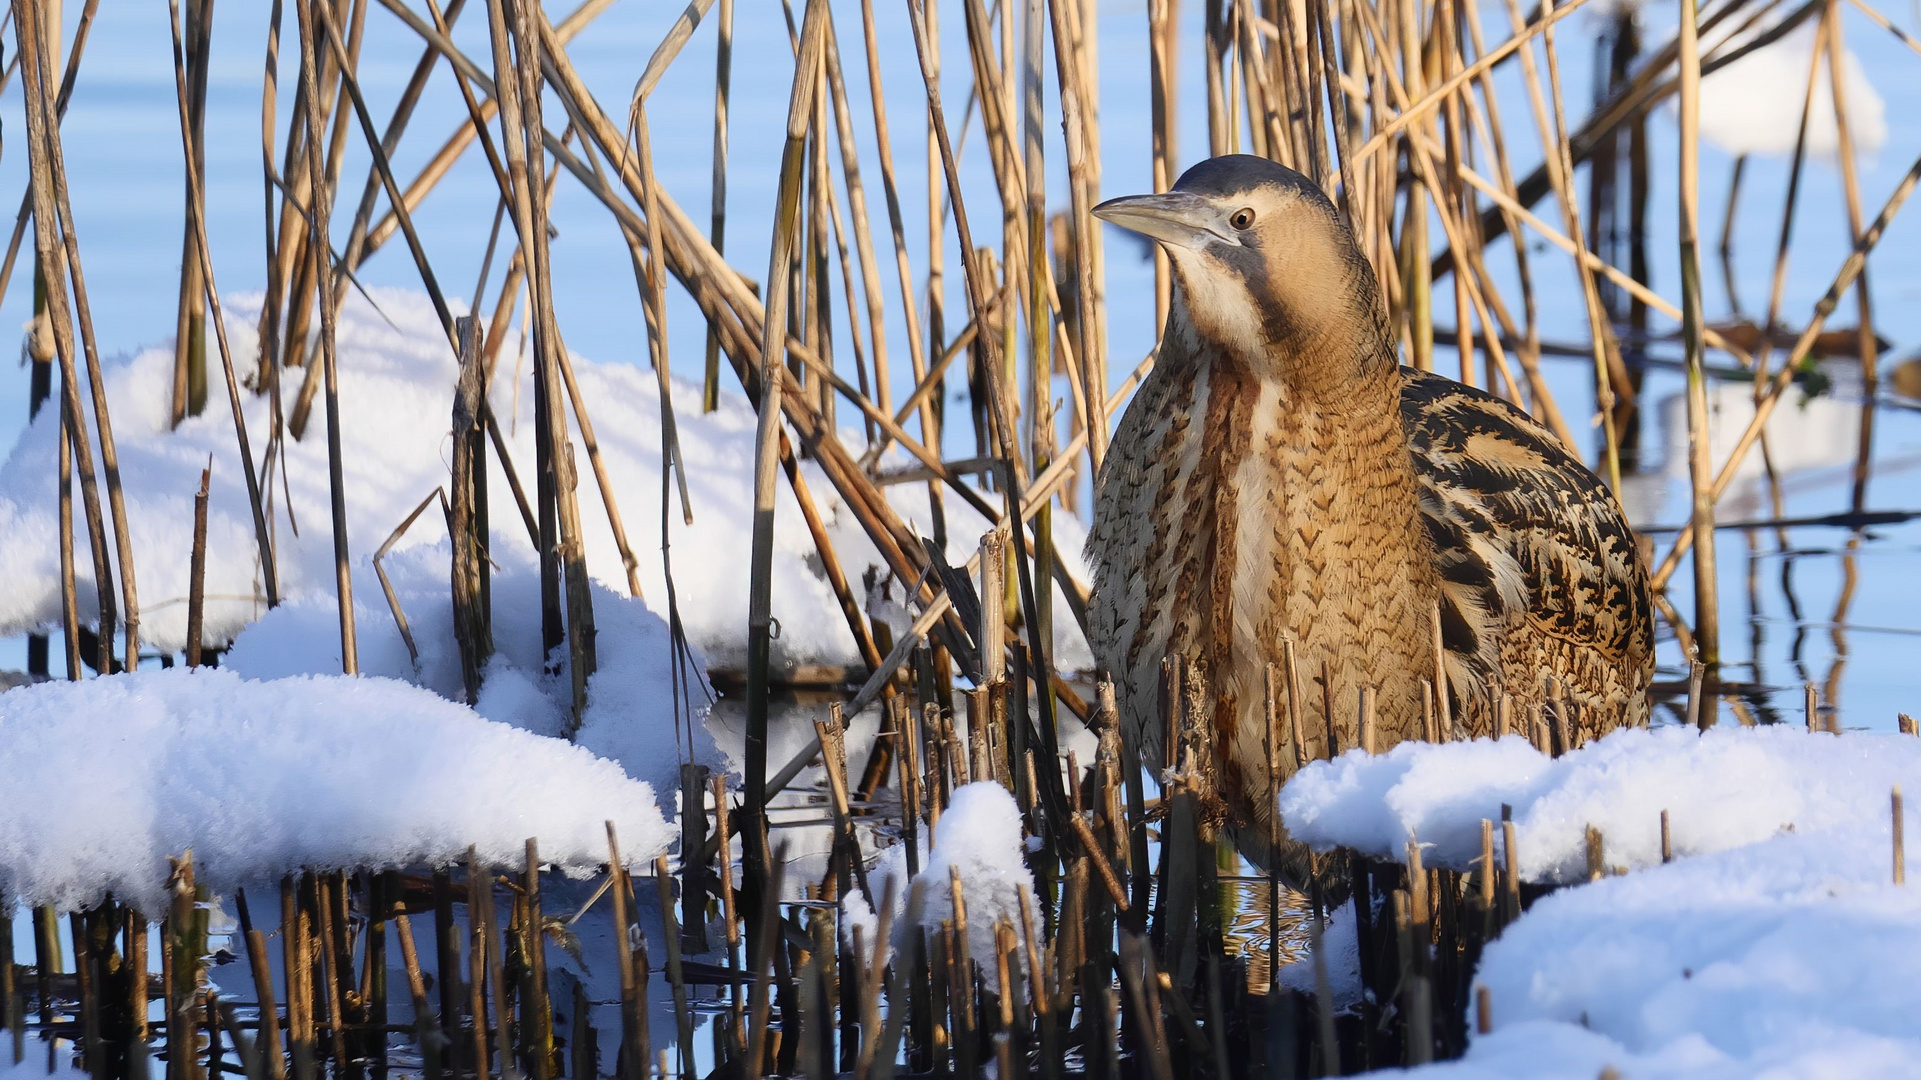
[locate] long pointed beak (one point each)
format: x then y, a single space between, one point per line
1171 217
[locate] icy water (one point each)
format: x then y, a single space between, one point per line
1834 604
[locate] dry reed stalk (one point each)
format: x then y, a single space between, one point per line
736 1030
537 1014
1013 476
518 80
296 251
331 963
1707 621
890 190
1899 824
467 513
197 569
654 303
1851 188
185 944
830 563
834 758
492 973
1634 288
1321 18
293 964
386 585
1432 179
426 1029
766 459
463 136
68 74
1091 385
686 249
1446 34
1219 118
1161 125
863 239
1296 705
267 360
56 246
1648 87
1551 125
383 149
1803 346
1493 134
676 979
1789 208
1429 100
717 232
764 948
263 546
1040 325
320 254
190 334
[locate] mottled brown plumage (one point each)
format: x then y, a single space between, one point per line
1280 476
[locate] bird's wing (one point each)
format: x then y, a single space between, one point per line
1529 542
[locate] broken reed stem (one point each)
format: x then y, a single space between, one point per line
683 1017
1899 824
197 570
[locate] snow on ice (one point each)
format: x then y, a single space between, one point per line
631 717
396 387
1753 106
1773 945
107 778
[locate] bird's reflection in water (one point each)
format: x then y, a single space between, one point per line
1246 927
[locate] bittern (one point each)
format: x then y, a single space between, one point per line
1280 476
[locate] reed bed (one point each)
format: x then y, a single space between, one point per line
1120 963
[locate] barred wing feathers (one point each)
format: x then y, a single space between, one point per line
1539 570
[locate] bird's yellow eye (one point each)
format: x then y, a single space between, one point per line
1242 219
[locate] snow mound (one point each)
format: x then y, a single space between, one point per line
1793 956
979 834
630 719
396 376
1753 106
260 778
1725 788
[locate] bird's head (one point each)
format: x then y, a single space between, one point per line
1264 266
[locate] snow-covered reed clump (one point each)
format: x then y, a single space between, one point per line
107 778
1722 789
1775 944
978 837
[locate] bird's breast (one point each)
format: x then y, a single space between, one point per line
1237 517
